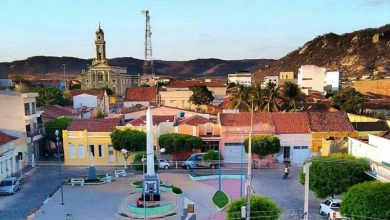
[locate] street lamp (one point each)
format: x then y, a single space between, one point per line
59 167
126 155
241 164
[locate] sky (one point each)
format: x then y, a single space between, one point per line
181 29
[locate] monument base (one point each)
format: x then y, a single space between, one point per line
151 188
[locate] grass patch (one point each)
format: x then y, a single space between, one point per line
220 199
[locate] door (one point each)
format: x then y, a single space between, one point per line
110 154
286 153
233 153
300 154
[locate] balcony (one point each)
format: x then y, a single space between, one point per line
35 134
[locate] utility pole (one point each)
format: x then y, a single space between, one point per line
148 62
66 83
248 196
306 169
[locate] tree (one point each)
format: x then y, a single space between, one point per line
257 97
75 86
241 99
59 124
108 91
292 96
138 163
368 200
49 96
261 208
271 98
349 100
201 95
100 115
131 140
334 174
212 155
263 145
179 142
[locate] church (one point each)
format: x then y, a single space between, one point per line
100 74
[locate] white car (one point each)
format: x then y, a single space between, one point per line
164 164
330 208
9 185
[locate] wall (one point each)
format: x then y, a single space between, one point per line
163 110
333 80
381 86
177 99
317 138
12 113
286 75
85 100
133 103
311 77
377 149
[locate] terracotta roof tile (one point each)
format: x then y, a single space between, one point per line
386 135
370 126
141 94
55 111
157 119
190 83
94 124
290 122
194 120
96 92
5 138
244 118
329 121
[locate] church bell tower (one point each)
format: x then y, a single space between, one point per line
100 45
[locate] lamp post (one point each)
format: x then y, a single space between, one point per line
219 171
126 155
306 169
241 164
59 167
248 199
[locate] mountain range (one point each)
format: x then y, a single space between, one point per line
360 52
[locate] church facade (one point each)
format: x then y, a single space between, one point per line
101 74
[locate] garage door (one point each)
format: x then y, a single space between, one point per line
300 154
232 153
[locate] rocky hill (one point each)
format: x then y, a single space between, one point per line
52 67
360 52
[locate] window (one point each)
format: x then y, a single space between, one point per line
305 147
106 76
93 77
33 108
113 80
101 151
81 151
307 78
27 109
297 147
306 87
110 150
92 150
100 77
71 151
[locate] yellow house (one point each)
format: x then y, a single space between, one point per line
178 94
326 125
88 141
286 75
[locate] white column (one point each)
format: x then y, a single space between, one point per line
149 143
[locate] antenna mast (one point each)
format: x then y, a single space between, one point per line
148 62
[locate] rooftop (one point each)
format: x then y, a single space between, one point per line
96 92
194 120
370 126
329 121
157 119
190 83
55 111
94 125
141 94
5 138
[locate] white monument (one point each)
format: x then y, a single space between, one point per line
151 179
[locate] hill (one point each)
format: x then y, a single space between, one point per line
52 67
360 52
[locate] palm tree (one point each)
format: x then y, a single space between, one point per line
241 99
258 97
271 98
292 96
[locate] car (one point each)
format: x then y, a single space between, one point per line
330 208
9 185
164 164
195 161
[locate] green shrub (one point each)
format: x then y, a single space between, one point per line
176 190
220 199
259 206
137 162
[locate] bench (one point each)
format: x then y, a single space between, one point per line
107 178
78 181
119 173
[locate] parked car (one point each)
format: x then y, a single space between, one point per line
9 185
195 161
330 208
164 164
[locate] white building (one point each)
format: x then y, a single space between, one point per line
311 77
93 98
7 160
19 118
270 79
241 78
377 150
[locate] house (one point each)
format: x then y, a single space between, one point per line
20 118
311 77
7 159
377 150
51 112
235 129
90 98
366 128
240 78
178 94
55 83
270 79
286 75
88 141
146 96
326 125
